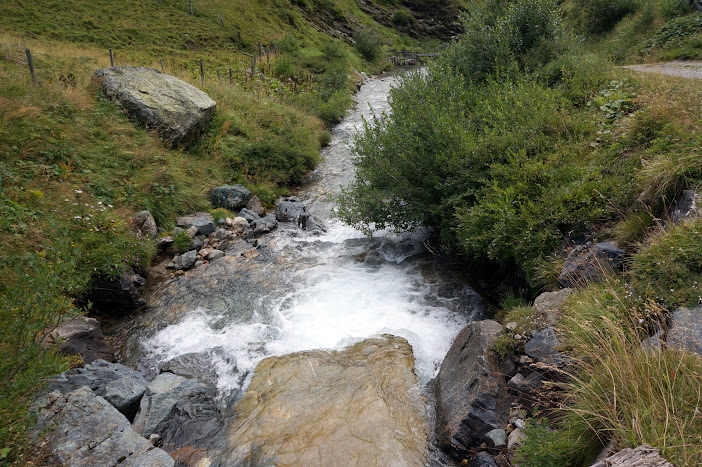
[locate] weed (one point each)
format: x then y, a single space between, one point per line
181 243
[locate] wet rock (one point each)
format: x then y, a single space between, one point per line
471 394
291 210
544 347
181 411
202 221
186 260
688 206
117 295
145 223
83 429
81 336
685 330
482 459
590 263
256 206
643 455
196 366
249 215
263 225
238 247
360 405
119 385
178 111
215 254
231 197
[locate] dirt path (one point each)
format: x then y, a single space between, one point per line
690 70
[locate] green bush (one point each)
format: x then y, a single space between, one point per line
288 44
673 8
403 19
368 44
181 243
601 16
335 52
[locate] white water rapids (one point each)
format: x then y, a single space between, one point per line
339 288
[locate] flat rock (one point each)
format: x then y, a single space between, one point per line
231 197
359 406
84 429
471 394
590 263
176 110
685 330
81 336
215 254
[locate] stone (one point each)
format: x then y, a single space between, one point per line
198 264
543 347
191 231
119 385
471 394
688 206
118 295
256 206
145 223
186 260
249 215
552 301
215 254
231 197
361 406
176 110
482 459
263 225
197 244
240 224
202 221
164 243
525 385
220 234
516 438
84 429
590 263
181 411
80 336
291 209
652 343
497 437
685 330
196 366
642 456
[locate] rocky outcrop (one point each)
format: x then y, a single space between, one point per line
471 392
145 223
119 385
118 295
84 429
357 406
83 337
231 197
590 263
685 330
176 110
688 206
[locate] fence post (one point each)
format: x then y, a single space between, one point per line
218 77
30 62
190 4
202 74
112 60
162 69
221 19
253 64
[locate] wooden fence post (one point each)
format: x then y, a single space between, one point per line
253 65
30 62
221 19
202 74
112 60
190 3
162 69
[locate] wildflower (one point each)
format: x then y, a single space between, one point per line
79 192
77 217
66 199
109 205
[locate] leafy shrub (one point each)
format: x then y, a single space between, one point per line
221 213
668 267
284 68
181 243
674 31
288 44
403 19
334 51
602 15
673 8
368 44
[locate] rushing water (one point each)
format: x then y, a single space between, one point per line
314 290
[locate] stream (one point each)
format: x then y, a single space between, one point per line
305 290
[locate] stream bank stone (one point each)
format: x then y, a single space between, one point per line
360 406
176 110
83 337
231 197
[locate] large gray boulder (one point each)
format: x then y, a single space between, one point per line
81 336
685 330
84 429
471 394
178 111
119 385
232 197
590 263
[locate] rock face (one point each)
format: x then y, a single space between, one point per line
84 429
230 197
81 336
178 111
358 406
145 223
689 205
685 330
117 295
590 263
117 384
470 389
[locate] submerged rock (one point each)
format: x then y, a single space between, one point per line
357 406
178 111
84 429
471 394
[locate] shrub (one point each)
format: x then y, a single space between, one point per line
601 16
335 52
368 45
403 19
181 243
288 44
221 213
673 8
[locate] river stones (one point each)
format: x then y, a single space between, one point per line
178 111
358 406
